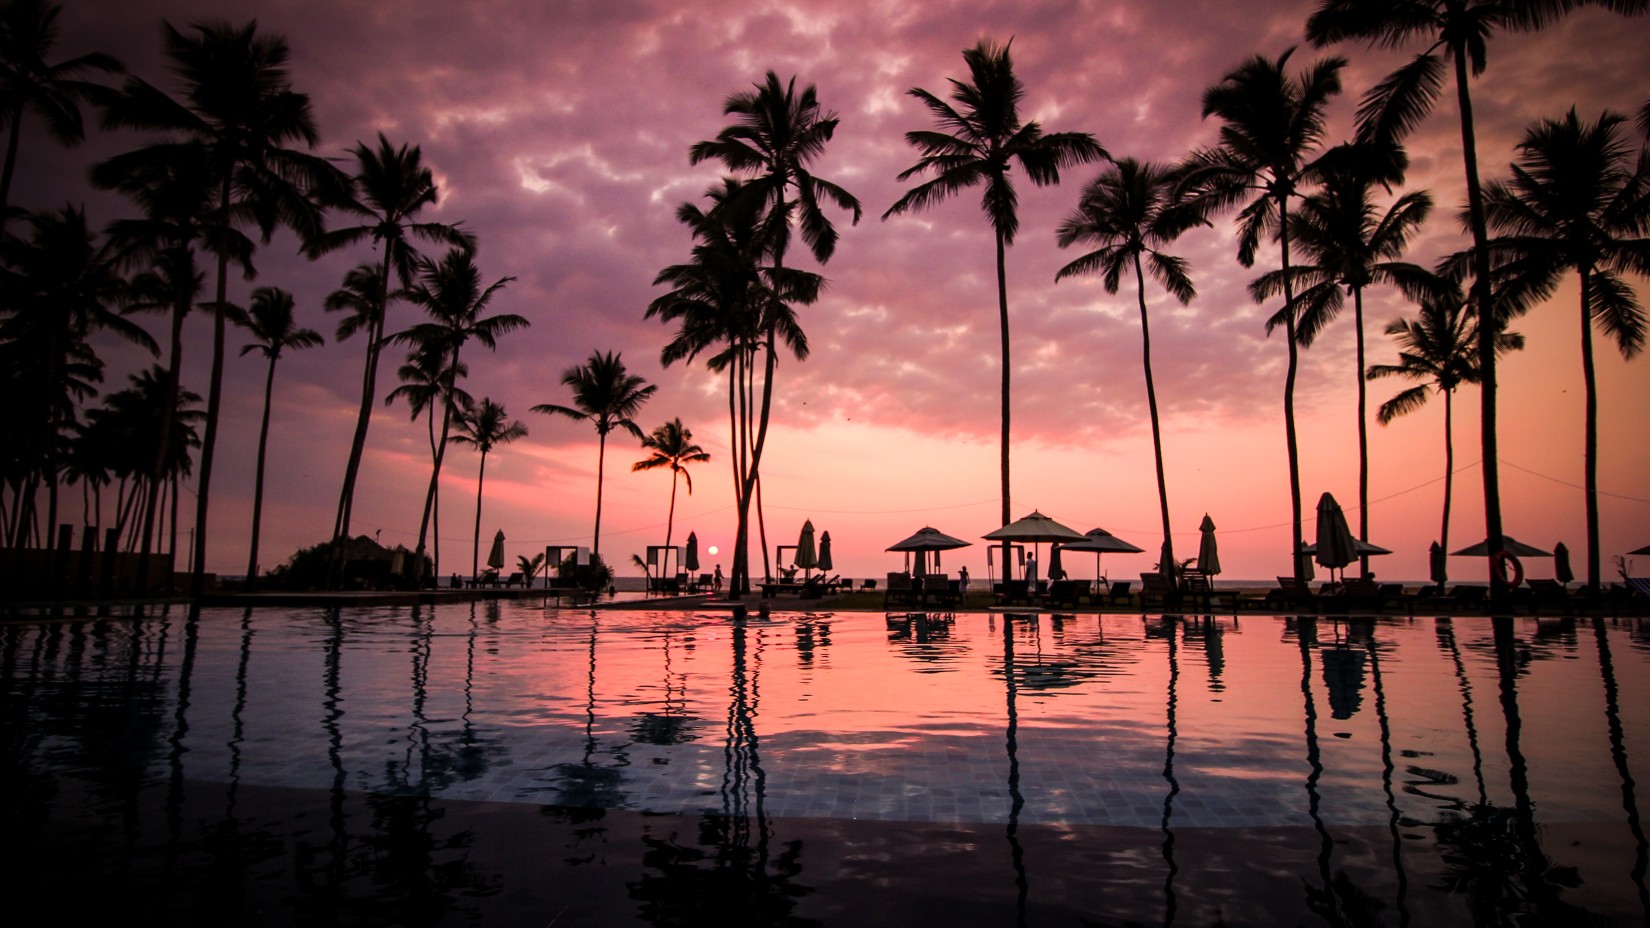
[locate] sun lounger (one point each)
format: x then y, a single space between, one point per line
1066 592
1158 588
1291 595
1014 592
1117 593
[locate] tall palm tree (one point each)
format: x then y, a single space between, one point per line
450 291
269 318
672 446
1349 243
1577 201
61 285
238 103
28 35
427 385
484 426
609 397
393 185
1271 125
1439 349
978 143
1128 213
776 134
1457 31
725 299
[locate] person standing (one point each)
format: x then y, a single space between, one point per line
716 582
962 578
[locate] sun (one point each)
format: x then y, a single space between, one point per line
714 550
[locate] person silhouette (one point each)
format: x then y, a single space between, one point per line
716 582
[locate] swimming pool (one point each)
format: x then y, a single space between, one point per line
499 763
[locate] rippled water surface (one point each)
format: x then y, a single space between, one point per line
498 763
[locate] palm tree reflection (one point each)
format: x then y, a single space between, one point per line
1618 754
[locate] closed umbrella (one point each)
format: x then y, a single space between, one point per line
1165 560
495 557
1335 546
1303 560
1056 570
1208 555
825 552
1437 561
691 560
806 557
1561 564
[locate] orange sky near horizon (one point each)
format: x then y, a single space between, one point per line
568 167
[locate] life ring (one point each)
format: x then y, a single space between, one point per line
1502 560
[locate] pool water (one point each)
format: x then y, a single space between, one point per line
500 763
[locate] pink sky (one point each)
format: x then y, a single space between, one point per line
559 135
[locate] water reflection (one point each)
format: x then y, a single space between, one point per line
479 763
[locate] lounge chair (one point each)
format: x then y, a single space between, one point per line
515 579
1014 592
1155 586
1118 592
1066 592
1290 596
899 590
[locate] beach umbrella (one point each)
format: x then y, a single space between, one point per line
825 552
1208 556
691 560
806 558
495 557
928 539
1512 546
1643 550
1101 542
1056 570
1035 528
1359 549
1561 564
1436 560
1335 544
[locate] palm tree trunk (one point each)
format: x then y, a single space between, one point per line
1289 393
1363 432
214 397
601 464
1002 316
475 548
258 484
670 520
1151 398
1489 326
1590 452
11 162
163 440
440 453
1449 470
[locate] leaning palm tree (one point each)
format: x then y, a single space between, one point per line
1578 200
672 446
1128 212
450 291
484 426
428 387
1459 31
238 103
1349 243
609 397
1439 350
269 318
979 142
1271 125
775 135
392 185
28 34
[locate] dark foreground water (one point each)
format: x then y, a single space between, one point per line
499 764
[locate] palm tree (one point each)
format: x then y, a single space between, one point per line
981 140
672 446
393 184
1439 349
239 105
61 285
1349 244
484 426
269 319
425 380
1577 201
1128 213
1271 124
1457 30
28 34
450 291
609 397
776 133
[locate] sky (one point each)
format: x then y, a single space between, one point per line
558 133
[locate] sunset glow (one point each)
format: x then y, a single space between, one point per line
559 136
